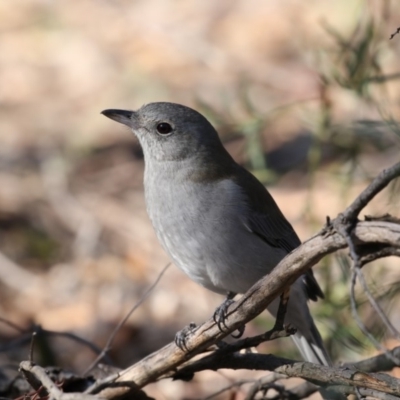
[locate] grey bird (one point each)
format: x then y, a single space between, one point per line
216 221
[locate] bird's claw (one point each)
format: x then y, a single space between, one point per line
182 336
239 333
221 314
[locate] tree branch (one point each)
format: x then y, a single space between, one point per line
377 185
317 374
255 300
379 363
345 231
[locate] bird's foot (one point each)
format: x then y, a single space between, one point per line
221 314
182 336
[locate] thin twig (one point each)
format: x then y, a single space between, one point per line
263 382
216 361
376 306
255 341
378 183
378 363
345 230
32 346
385 252
356 274
12 325
358 320
344 225
122 322
76 338
38 330
394 33
34 373
280 316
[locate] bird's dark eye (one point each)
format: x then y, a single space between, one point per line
164 128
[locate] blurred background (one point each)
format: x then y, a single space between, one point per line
306 95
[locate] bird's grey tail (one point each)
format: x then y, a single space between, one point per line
311 347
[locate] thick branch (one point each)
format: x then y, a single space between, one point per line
317 374
255 300
321 375
379 363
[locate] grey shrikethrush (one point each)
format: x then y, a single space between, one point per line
217 222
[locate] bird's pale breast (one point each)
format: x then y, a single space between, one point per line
202 227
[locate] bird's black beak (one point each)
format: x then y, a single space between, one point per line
122 116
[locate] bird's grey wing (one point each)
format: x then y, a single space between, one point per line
278 232
267 222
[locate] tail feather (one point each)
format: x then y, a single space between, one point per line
312 350
307 338
311 346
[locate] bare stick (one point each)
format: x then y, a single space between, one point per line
318 374
378 184
122 322
357 318
376 306
344 224
76 338
384 252
32 346
12 325
280 317
38 330
394 33
263 382
378 363
33 373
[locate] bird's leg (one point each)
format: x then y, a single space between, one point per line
182 335
280 316
220 314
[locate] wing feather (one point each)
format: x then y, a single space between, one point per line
267 222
